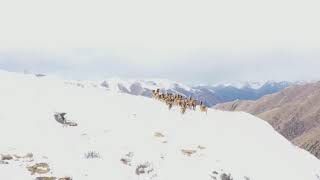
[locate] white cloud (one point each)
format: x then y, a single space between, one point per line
198 40
160 25
188 66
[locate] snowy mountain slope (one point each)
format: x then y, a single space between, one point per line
136 137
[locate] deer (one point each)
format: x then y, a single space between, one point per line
203 108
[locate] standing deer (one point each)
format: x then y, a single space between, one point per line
203 108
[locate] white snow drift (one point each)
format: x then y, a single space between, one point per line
133 137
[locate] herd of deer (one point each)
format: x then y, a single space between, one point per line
178 100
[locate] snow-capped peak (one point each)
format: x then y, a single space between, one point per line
117 84
247 84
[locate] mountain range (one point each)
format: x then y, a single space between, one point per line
209 94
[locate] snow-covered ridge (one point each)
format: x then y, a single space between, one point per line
124 137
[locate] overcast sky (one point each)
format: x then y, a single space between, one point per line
193 41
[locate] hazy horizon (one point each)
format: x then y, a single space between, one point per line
195 68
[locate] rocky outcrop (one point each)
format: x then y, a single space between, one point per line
39 168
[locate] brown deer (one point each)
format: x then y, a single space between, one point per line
194 104
183 109
203 108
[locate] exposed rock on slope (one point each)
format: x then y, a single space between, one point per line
294 112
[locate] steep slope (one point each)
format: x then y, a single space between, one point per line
293 112
121 137
210 95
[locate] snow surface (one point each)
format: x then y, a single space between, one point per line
121 126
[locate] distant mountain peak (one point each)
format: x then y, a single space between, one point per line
249 84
